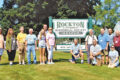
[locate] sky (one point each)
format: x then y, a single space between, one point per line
1 3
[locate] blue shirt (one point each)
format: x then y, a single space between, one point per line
103 39
75 48
113 55
31 39
111 40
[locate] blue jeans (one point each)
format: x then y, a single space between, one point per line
31 48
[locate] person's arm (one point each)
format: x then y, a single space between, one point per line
86 43
71 51
98 53
115 60
107 46
8 44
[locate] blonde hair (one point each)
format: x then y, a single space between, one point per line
8 33
42 34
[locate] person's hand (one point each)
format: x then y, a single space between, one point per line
78 55
36 48
26 48
9 50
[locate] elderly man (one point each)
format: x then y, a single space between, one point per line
116 41
31 46
88 42
76 52
95 53
103 40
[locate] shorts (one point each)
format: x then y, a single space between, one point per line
73 58
21 48
1 51
104 53
40 46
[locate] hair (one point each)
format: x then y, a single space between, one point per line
44 24
21 27
42 34
1 30
8 33
30 29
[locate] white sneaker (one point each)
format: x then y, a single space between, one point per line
11 63
52 63
23 63
20 63
49 63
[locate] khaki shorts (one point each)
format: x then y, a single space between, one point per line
104 53
21 48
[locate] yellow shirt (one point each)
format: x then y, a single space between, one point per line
21 37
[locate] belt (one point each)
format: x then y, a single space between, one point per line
30 44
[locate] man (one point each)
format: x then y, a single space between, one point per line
103 40
88 42
21 45
95 53
111 36
116 41
76 52
31 46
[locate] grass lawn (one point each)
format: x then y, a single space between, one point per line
61 70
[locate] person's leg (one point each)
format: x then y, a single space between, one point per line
23 57
43 55
0 57
82 58
14 53
20 58
52 54
29 54
49 53
73 59
34 54
88 55
103 57
40 53
98 62
10 57
107 60
46 52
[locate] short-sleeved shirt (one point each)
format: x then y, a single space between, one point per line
95 49
1 41
21 37
111 36
31 39
42 41
75 48
89 39
103 39
51 38
116 41
113 55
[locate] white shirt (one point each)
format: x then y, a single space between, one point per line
89 39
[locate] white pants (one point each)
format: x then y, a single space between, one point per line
50 53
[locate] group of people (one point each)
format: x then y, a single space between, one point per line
28 43
104 49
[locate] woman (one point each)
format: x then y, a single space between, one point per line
11 45
113 58
21 45
50 38
42 45
1 43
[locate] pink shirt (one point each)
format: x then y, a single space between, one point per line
1 41
51 39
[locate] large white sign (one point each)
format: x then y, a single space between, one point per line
70 28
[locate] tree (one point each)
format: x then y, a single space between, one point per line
34 13
107 13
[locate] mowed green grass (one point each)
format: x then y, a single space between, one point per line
61 70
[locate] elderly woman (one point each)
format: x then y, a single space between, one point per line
113 58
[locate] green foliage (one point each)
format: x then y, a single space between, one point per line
34 13
107 13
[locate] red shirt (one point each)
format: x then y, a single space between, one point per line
116 41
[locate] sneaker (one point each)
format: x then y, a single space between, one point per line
23 63
20 63
49 63
52 63
11 63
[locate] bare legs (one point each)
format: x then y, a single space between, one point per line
42 55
